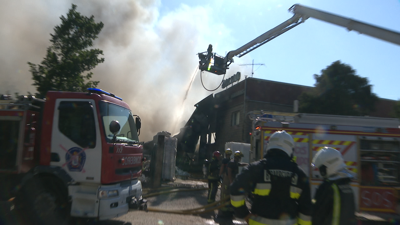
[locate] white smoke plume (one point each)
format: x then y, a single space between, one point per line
149 58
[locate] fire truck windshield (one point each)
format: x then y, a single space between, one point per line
110 112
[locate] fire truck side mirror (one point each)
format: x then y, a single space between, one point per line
114 127
138 123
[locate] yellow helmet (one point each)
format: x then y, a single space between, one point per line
238 154
228 151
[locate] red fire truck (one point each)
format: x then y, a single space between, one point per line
70 155
370 147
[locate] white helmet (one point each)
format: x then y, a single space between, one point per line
329 161
281 140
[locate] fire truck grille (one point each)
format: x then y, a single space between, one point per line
127 171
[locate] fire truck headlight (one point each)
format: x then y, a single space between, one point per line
113 193
102 194
108 193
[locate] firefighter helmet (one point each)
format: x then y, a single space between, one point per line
228 151
217 154
329 161
281 140
238 154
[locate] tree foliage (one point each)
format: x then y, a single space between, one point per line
339 91
396 109
69 59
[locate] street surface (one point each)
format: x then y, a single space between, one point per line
172 201
182 200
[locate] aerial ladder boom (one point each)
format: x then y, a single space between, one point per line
350 24
218 65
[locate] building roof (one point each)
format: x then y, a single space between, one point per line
285 94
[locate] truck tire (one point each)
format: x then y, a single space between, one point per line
46 202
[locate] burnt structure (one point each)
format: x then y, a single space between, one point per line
222 117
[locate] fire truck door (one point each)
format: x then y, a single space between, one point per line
76 139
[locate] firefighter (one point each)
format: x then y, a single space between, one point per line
334 198
226 211
225 215
281 190
213 176
223 173
224 162
233 166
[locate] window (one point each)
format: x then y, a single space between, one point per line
235 120
76 121
211 138
110 112
9 130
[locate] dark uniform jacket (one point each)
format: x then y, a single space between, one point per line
213 169
224 164
281 191
334 203
234 166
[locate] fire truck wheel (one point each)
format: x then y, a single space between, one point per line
46 204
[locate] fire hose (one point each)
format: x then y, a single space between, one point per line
172 191
195 211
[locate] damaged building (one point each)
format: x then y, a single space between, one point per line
223 117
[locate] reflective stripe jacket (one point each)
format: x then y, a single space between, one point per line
334 203
280 190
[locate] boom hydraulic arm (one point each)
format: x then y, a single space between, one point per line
218 65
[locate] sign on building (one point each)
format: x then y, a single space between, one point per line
231 80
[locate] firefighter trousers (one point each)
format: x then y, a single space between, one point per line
212 190
226 211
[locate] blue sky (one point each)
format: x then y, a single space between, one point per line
310 47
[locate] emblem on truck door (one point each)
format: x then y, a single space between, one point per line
75 159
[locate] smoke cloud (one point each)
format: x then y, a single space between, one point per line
150 58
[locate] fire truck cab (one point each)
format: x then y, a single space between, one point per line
72 154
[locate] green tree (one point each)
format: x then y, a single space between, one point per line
70 56
339 91
396 109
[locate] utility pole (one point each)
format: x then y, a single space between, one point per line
252 66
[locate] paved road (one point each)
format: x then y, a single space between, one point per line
179 201
172 201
